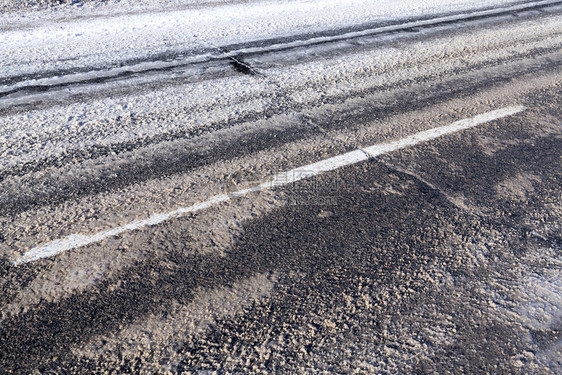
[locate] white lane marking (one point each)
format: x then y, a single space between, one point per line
77 240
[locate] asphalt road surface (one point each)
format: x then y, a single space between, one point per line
379 197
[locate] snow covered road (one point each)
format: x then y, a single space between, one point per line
56 53
143 138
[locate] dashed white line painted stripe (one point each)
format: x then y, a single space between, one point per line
77 240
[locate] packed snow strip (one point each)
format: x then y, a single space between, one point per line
107 73
206 55
286 178
391 28
102 41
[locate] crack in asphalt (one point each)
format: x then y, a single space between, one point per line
286 96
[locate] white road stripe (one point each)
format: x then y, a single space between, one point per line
77 240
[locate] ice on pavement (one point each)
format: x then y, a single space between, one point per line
29 40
